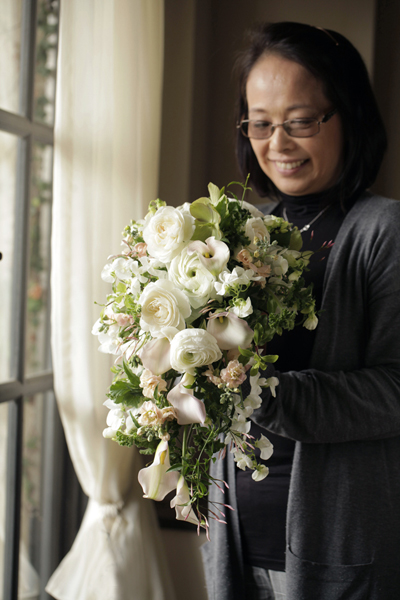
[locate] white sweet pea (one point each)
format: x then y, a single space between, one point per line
163 305
271 383
193 348
106 273
230 331
238 277
311 323
255 228
188 408
155 481
167 232
214 254
242 460
189 274
180 502
123 267
109 340
241 307
265 446
115 418
260 473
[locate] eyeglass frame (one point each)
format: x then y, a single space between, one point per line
324 119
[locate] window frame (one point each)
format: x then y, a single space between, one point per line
58 482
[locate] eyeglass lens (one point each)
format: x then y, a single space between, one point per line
297 128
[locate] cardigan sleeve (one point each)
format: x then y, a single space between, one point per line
354 393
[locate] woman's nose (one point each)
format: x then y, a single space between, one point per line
280 140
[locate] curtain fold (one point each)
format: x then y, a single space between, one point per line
106 156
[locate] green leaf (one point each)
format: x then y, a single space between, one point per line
134 379
175 468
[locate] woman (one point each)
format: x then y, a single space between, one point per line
311 137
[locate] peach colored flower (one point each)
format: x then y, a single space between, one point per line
211 377
140 249
234 374
151 415
149 382
245 257
122 319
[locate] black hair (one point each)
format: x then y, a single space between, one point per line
334 61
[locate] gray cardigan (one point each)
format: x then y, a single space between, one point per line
343 527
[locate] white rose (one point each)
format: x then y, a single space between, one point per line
255 228
163 305
188 273
193 348
167 232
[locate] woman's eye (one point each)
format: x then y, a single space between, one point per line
261 124
301 123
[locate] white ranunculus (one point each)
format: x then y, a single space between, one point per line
189 274
163 305
255 228
167 232
193 348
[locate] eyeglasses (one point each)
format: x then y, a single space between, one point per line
301 128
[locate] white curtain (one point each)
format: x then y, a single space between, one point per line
105 172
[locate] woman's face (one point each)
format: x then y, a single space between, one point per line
277 90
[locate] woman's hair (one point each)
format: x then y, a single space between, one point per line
334 61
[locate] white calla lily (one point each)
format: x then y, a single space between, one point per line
155 355
214 254
230 331
188 408
183 510
155 481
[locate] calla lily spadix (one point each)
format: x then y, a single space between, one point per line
155 481
214 254
183 510
188 408
230 331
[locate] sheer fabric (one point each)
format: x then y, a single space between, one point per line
107 135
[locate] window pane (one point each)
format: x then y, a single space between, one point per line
31 509
8 153
46 60
10 44
37 337
3 471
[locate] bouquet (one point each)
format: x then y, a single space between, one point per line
198 292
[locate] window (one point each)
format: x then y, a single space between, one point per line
36 478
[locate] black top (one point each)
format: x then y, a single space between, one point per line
262 505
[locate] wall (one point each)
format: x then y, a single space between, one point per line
202 38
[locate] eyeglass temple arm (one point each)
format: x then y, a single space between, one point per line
329 115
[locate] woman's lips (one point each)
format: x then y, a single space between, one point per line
289 167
